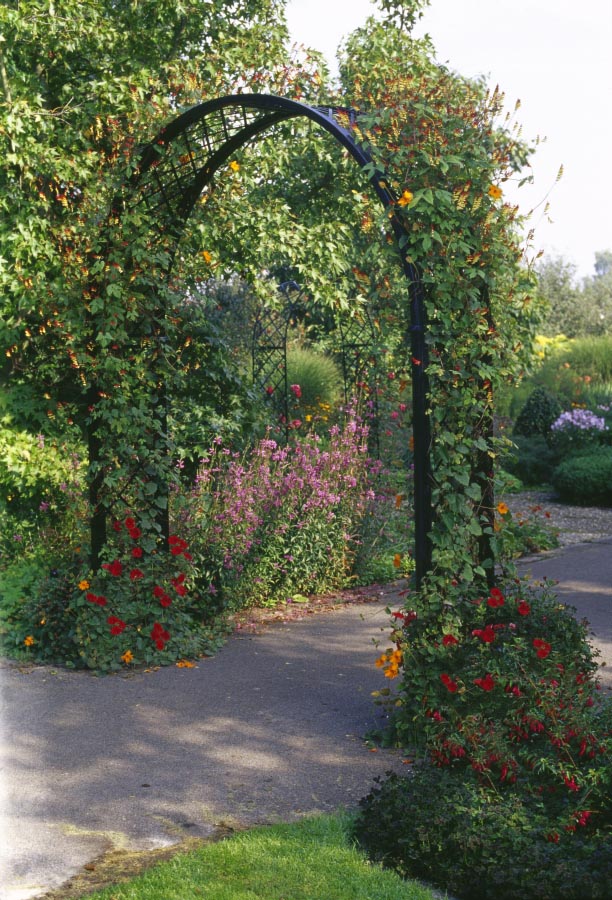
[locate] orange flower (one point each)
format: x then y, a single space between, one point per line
234 166
494 191
406 198
127 657
502 509
185 664
397 560
29 641
83 585
207 257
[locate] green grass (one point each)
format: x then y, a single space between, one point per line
310 860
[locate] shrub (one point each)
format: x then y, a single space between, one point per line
449 830
319 381
279 519
585 480
500 692
538 414
532 460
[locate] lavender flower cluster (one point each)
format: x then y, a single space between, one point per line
583 419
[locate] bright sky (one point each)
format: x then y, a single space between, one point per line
553 55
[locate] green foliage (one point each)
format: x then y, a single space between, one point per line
448 829
521 535
500 692
576 309
585 479
531 459
538 414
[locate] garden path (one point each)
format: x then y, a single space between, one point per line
270 728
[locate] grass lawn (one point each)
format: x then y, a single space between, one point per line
310 860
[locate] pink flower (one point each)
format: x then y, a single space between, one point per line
296 390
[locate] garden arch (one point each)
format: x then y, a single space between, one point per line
176 167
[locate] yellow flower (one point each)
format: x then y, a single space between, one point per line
502 509
127 657
234 166
83 585
29 641
494 191
207 257
406 198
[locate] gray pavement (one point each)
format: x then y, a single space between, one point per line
269 729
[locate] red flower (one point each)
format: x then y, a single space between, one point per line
449 639
496 598
570 783
180 589
137 552
486 634
448 683
135 533
487 683
130 523
542 648
93 598
179 579
158 591
115 568
269 390
117 525
117 625
165 600
159 635
296 390
136 573
523 608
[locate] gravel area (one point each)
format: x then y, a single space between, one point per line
575 524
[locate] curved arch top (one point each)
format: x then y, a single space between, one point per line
206 136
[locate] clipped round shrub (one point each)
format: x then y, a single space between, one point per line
585 480
538 413
445 828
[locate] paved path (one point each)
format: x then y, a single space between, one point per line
268 729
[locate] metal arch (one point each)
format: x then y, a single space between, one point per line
204 138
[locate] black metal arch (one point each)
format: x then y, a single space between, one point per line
206 137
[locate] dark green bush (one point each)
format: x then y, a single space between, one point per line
445 828
538 414
585 480
532 460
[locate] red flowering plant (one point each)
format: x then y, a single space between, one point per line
504 685
140 608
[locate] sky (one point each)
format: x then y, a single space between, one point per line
555 56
